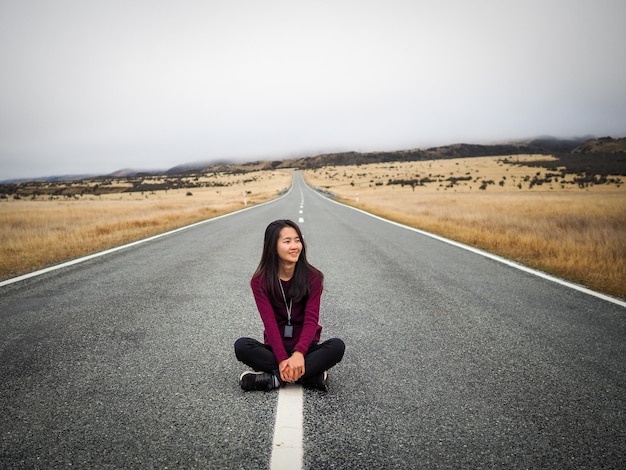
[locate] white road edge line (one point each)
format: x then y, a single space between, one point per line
287 451
486 254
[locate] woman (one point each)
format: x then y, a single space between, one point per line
287 291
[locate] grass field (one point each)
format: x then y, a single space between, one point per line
38 232
558 227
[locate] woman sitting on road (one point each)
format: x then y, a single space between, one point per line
287 291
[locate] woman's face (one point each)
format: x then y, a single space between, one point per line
289 245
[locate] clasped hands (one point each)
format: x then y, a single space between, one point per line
292 369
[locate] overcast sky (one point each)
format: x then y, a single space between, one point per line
90 86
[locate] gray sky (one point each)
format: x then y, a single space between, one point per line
95 86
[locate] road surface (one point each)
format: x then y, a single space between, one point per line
453 359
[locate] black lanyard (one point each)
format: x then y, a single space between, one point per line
288 307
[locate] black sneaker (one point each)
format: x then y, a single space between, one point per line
319 382
250 381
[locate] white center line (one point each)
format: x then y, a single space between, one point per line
288 435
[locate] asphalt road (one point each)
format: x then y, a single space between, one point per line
453 360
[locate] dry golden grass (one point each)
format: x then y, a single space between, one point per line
39 233
577 234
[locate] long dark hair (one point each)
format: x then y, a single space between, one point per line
268 266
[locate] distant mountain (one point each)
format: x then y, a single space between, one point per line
129 173
176 170
541 145
572 150
548 144
602 145
51 179
196 166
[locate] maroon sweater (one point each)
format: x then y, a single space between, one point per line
304 317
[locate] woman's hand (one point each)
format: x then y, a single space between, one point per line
292 369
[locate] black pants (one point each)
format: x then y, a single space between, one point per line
319 357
